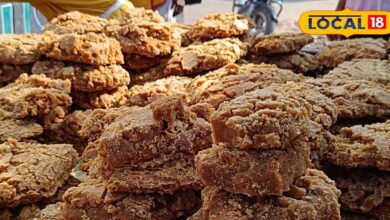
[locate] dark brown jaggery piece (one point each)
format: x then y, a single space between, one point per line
19 49
18 129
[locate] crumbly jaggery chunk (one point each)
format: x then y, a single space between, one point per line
36 96
252 172
313 196
9 73
94 49
361 146
32 171
92 200
139 63
153 135
19 49
339 51
362 69
75 22
280 43
142 13
103 99
355 98
142 95
18 129
234 80
262 119
220 25
84 78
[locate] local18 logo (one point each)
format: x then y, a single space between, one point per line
345 22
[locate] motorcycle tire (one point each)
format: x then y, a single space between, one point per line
267 16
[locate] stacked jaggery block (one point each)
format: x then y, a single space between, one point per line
258 165
90 62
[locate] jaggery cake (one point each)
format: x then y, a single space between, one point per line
18 129
103 99
280 43
19 49
337 52
234 80
36 96
9 72
142 95
94 49
33 171
361 146
75 22
84 78
362 69
312 196
220 25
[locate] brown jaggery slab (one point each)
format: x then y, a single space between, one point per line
337 52
312 196
234 80
361 146
92 200
18 129
19 49
262 119
93 49
103 99
32 171
36 96
280 43
220 25
9 72
84 78
142 95
75 22
355 98
362 69
252 172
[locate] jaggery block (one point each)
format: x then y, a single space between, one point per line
19 49
18 129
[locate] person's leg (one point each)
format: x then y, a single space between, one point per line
165 9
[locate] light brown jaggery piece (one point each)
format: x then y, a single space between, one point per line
361 146
252 172
18 129
75 22
36 96
312 196
94 49
337 52
142 95
280 43
362 69
84 78
220 25
104 99
9 73
364 191
262 119
139 63
32 171
355 98
153 135
234 80
19 49
92 200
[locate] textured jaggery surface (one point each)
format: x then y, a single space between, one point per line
355 98
32 171
312 196
339 51
84 78
220 25
142 95
19 49
9 73
36 96
139 63
361 146
94 49
362 69
280 43
75 23
144 14
18 129
252 172
92 200
364 191
103 99
234 80
262 119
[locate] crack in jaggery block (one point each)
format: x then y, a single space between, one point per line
19 49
